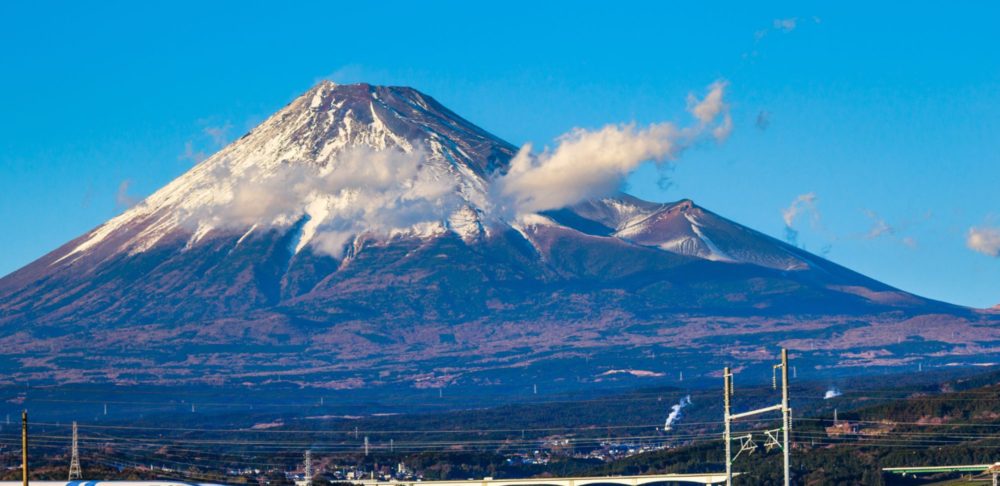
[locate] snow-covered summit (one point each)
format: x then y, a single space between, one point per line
335 155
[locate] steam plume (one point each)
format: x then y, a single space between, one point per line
675 412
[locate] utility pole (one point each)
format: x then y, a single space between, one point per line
24 448
74 462
747 440
727 385
786 413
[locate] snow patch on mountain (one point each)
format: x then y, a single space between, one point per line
714 253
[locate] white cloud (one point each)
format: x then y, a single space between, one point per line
725 127
707 109
803 203
362 191
984 239
800 204
594 163
785 25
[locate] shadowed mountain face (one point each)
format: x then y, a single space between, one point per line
238 272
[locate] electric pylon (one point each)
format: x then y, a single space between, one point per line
772 435
307 470
74 462
308 467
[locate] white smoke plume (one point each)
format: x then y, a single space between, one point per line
833 392
675 413
594 163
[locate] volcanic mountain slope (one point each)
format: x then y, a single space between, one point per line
359 225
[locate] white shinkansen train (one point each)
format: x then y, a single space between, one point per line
99 482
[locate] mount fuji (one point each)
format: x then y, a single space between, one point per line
361 237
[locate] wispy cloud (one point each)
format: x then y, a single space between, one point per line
213 136
218 134
123 199
880 227
984 239
785 25
359 73
191 154
348 73
708 109
802 204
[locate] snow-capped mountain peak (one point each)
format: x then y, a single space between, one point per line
345 158
343 162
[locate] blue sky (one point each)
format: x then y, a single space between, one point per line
887 116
